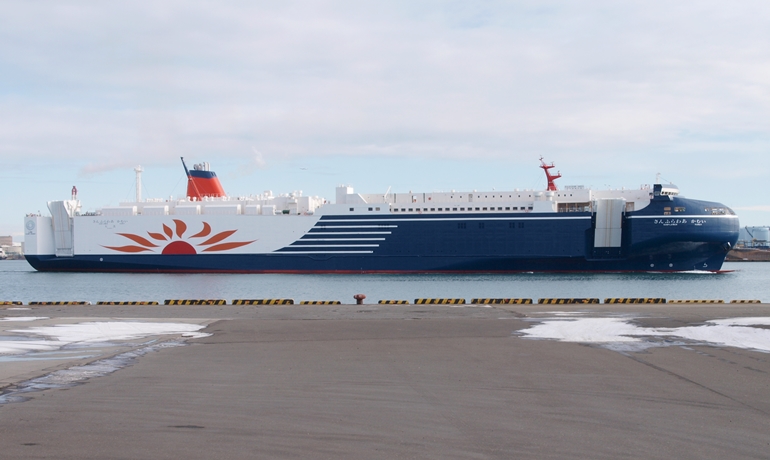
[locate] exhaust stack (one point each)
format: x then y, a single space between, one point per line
202 182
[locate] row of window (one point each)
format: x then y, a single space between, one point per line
574 187
499 208
720 211
667 210
481 225
712 211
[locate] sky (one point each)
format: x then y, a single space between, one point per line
407 95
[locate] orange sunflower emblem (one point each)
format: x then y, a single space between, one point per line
170 245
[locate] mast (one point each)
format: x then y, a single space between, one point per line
551 178
186 171
138 171
191 186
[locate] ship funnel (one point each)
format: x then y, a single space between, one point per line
201 182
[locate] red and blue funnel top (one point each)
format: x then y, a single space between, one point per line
202 183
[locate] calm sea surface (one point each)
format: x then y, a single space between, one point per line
18 281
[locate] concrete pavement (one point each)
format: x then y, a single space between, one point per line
370 381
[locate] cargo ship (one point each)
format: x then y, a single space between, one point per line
574 229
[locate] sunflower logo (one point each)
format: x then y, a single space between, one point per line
178 246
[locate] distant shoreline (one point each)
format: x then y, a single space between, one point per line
748 255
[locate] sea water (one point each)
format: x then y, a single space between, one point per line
20 282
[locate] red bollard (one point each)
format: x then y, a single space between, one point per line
359 299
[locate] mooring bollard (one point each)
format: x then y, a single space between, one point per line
359 299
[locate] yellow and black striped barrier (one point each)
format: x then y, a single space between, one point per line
567 301
695 301
439 301
635 300
62 302
426 301
195 302
128 302
263 302
488 301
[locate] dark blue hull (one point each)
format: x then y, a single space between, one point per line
466 243
707 257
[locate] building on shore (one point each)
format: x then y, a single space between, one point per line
754 237
9 249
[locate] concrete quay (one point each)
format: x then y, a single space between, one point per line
394 381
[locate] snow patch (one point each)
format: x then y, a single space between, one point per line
62 335
23 318
621 334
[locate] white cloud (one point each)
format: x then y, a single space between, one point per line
333 77
602 87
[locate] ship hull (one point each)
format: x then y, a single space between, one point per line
709 258
479 243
